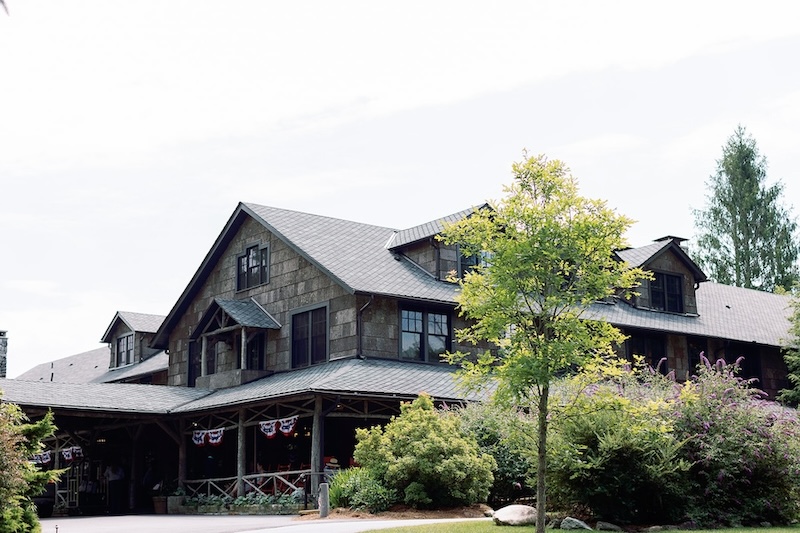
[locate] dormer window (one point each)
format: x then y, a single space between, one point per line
666 293
125 350
252 267
468 262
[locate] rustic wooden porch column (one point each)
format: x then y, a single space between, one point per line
181 454
203 356
243 351
241 455
317 429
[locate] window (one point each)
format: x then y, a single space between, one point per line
424 335
468 262
309 337
194 363
252 267
256 353
125 350
652 347
666 293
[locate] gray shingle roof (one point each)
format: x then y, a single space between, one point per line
378 377
79 368
248 313
726 312
428 229
139 322
102 397
637 257
151 365
373 377
352 253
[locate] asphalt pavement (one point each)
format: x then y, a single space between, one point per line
220 524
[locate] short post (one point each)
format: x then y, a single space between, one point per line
324 501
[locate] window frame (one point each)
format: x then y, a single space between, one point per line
128 339
313 355
660 285
424 353
246 277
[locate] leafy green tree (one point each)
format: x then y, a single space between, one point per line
423 457
747 238
791 355
20 480
550 253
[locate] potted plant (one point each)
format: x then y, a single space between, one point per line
175 500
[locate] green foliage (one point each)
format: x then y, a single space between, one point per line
424 456
640 447
21 480
504 433
551 255
745 452
618 455
358 488
746 237
791 356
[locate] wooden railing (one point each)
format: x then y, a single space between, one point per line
267 483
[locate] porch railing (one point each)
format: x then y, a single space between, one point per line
267 483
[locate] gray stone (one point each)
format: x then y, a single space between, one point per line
653 529
515 515
574 523
607 526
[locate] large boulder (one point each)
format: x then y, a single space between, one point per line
574 523
515 515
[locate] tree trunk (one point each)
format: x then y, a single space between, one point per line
541 466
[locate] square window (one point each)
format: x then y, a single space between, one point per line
252 267
424 335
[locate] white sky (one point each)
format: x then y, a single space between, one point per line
130 130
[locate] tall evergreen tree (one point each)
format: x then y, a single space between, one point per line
746 237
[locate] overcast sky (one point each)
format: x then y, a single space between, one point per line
130 130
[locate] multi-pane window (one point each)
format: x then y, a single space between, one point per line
666 293
424 335
125 350
309 337
256 352
252 267
468 262
651 346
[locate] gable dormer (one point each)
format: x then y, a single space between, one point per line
420 245
676 276
129 336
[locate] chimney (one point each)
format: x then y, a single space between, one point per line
3 351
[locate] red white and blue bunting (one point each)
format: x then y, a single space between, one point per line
286 426
42 458
211 436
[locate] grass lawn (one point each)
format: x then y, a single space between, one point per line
488 526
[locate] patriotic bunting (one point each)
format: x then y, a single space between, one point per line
199 437
288 425
215 436
42 458
269 428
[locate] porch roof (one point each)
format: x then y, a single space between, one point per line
377 378
99 397
352 376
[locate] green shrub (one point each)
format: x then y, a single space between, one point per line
358 489
501 432
745 452
423 455
617 456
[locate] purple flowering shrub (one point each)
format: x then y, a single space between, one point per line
640 447
744 450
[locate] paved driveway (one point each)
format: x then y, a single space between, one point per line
216 524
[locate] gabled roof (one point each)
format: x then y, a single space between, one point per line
644 255
348 377
353 254
84 367
429 229
139 322
92 367
246 313
725 312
